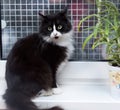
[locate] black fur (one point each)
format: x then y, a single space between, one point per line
31 66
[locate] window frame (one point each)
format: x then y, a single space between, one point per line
0 35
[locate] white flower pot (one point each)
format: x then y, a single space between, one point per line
114 73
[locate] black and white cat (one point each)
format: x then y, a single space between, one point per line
35 60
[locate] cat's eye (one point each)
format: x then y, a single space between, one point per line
59 27
49 28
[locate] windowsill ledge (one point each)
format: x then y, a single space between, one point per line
78 97
87 90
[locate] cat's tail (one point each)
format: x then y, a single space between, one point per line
16 100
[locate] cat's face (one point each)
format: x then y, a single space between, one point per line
55 28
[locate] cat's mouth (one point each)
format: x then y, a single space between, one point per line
56 37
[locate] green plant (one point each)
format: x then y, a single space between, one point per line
106 31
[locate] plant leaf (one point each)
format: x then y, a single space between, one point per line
97 44
87 40
86 18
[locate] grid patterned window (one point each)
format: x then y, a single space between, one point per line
21 18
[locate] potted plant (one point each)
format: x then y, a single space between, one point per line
106 32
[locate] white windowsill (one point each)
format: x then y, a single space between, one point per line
84 85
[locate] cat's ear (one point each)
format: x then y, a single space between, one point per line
64 11
42 16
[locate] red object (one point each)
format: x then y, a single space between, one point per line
77 11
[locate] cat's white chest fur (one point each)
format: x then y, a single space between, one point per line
67 42
64 40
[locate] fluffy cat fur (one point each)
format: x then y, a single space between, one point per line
34 61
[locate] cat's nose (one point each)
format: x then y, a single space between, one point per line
55 34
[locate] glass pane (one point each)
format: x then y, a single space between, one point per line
21 17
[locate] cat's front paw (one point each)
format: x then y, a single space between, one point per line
57 91
45 93
53 91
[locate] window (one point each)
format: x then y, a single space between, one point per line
21 18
